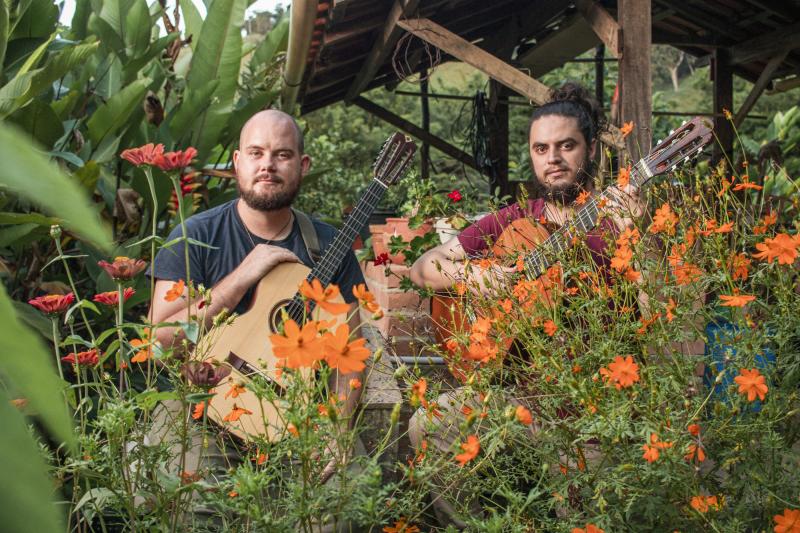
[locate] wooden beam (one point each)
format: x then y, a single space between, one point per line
603 24
661 36
767 44
415 131
722 75
758 88
383 45
498 139
537 92
635 83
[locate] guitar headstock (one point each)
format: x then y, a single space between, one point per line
682 145
394 158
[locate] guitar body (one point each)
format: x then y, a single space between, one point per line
247 339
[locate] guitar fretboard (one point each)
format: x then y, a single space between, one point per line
542 257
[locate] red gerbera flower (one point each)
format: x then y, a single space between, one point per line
87 358
123 268
111 298
144 155
175 160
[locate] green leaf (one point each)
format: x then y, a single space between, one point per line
38 20
9 236
149 398
69 157
194 101
27 503
134 66
114 114
275 41
28 365
40 122
192 20
21 162
32 318
3 33
21 90
110 39
100 498
217 57
27 218
137 26
36 56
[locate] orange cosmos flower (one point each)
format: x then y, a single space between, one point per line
702 503
735 300
355 384
401 526
769 220
199 409
53 304
622 258
739 265
123 268
175 292
299 348
323 297
367 300
143 155
111 298
145 349
622 372
550 328
624 177
341 355
752 383
175 160
745 184
236 413
524 415
582 197
235 390
651 451
725 228
590 528
418 390
626 129
670 308
783 248
664 220
471 448
788 522
695 452
693 429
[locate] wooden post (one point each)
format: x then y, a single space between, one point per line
425 149
635 83
498 142
722 76
599 74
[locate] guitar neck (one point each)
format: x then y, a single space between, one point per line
544 255
327 266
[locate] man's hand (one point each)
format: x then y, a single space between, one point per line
624 205
260 261
491 280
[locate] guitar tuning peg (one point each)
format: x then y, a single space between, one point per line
686 159
674 167
683 123
671 132
658 141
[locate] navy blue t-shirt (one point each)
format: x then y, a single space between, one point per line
223 229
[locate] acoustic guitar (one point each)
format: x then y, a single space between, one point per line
245 343
542 248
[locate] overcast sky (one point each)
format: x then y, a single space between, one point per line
258 5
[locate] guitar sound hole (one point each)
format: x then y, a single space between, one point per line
276 315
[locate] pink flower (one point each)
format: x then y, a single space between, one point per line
53 304
144 155
175 160
454 195
111 298
123 268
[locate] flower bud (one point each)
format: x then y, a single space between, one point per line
400 371
395 417
55 231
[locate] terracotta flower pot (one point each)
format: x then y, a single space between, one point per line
399 226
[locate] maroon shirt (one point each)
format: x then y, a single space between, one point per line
477 238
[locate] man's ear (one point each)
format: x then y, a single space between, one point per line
236 161
305 164
593 149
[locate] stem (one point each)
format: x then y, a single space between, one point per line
149 174
120 337
57 240
176 184
56 340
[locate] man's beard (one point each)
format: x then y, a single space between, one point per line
563 194
273 201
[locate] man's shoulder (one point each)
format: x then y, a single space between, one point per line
212 214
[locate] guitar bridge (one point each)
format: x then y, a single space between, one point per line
249 371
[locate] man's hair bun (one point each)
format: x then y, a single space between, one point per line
573 100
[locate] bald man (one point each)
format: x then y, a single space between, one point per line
250 235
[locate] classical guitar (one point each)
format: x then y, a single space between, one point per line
543 248
245 343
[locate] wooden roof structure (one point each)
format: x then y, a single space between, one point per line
358 45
